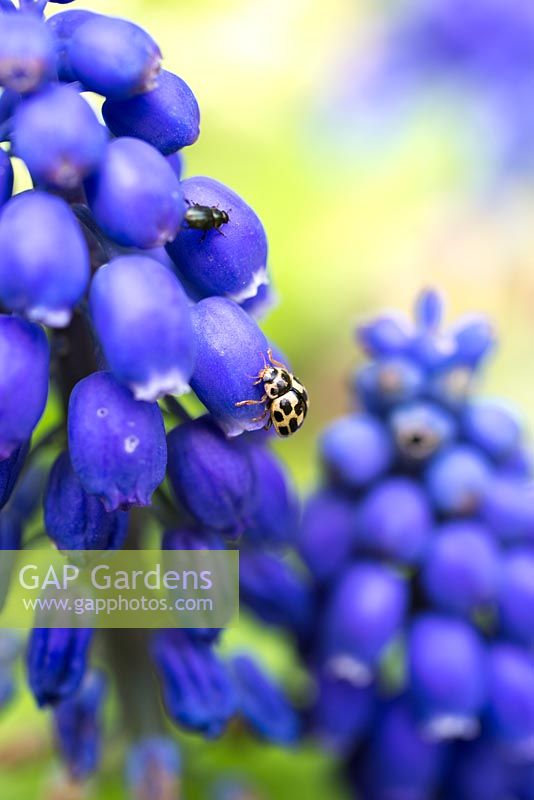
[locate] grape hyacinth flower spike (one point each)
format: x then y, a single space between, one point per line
420 548
123 287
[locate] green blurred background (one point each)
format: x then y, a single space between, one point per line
351 231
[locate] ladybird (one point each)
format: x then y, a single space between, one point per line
205 218
286 399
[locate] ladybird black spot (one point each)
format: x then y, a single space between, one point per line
281 386
299 408
286 406
278 416
293 424
283 431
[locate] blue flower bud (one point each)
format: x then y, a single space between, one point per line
400 763
394 520
363 614
420 429
274 514
77 722
141 316
197 688
458 480
231 350
63 26
76 520
24 359
44 261
167 117
27 57
211 476
326 534
230 261
117 444
451 385
428 311
275 592
447 665
342 713
356 450
493 428
114 57
57 135
508 509
57 660
135 196
385 383
153 769
510 712
474 338
462 555
516 595
10 468
390 335
432 348
6 178
263 704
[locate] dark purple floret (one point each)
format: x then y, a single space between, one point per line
76 520
57 660
78 723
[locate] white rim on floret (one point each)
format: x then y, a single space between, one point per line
159 385
259 278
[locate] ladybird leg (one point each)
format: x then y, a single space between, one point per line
252 402
262 417
219 231
268 424
273 360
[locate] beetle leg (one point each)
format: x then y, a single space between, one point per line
252 402
268 424
273 360
262 417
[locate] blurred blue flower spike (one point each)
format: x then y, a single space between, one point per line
423 573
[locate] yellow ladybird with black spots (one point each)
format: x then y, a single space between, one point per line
286 399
